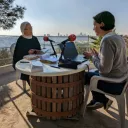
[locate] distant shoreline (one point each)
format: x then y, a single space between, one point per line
41 36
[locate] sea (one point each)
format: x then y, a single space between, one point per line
7 41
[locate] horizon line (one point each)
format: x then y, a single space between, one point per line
50 35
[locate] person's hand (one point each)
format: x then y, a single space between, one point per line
37 51
34 51
88 54
31 51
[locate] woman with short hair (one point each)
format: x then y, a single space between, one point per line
111 61
26 44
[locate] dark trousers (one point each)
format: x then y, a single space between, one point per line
25 77
112 88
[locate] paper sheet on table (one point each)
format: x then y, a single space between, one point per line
45 50
36 66
36 63
49 58
44 56
52 59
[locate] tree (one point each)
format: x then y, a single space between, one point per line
9 14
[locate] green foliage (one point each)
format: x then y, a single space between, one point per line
5 57
4 53
81 48
10 14
96 44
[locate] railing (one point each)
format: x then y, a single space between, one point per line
6 56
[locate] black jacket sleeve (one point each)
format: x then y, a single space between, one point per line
15 53
38 44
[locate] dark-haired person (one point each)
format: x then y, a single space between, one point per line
111 61
26 44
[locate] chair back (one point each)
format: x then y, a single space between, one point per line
95 79
12 48
125 87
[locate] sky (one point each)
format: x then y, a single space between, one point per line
68 16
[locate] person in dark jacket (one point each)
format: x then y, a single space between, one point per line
26 44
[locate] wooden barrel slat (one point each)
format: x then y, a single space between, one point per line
49 80
65 93
74 90
33 86
77 101
54 93
59 96
39 88
44 105
70 94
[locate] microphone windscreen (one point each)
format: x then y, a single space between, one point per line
72 37
45 38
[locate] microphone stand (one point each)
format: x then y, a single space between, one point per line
53 49
44 45
60 59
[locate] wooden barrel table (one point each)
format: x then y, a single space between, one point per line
55 93
57 97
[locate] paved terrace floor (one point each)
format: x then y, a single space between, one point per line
14 104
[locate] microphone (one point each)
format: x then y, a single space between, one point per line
45 38
71 38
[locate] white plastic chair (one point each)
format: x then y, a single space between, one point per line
12 48
119 98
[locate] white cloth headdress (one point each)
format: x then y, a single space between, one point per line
22 27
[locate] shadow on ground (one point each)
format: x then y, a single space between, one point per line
4 92
15 103
93 119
